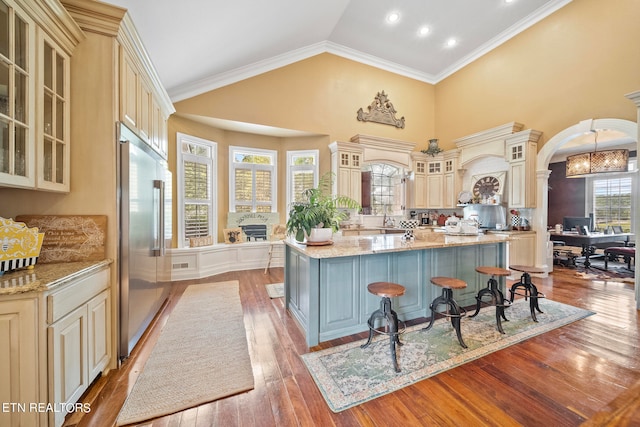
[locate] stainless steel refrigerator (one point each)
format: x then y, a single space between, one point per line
144 285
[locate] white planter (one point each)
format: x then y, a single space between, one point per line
319 235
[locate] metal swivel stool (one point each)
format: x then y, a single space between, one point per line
386 290
530 290
453 310
492 290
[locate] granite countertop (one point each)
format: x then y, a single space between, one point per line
45 277
510 231
381 243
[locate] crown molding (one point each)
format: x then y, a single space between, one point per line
198 87
503 37
207 84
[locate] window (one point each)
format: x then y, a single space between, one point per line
196 184
612 201
302 173
252 180
387 188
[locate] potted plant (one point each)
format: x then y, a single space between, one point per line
317 216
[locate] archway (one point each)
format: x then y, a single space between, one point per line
626 127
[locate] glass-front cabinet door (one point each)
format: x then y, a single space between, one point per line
17 41
53 139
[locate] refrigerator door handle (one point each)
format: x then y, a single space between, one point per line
159 246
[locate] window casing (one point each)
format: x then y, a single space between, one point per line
252 180
612 200
302 173
197 213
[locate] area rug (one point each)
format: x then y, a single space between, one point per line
275 290
348 375
201 355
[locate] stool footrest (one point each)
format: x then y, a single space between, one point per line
539 295
461 315
402 326
505 303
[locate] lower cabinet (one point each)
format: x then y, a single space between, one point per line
19 382
522 249
79 339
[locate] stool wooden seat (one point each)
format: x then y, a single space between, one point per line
453 310
386 290
530 291
493 290
493 271
527 269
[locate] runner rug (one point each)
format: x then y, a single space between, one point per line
348 375
201 355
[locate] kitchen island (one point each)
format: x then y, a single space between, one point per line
326 286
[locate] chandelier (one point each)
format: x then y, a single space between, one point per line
604 161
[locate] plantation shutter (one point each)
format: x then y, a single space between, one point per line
197 199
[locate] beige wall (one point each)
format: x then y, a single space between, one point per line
93 146
576 64
322 95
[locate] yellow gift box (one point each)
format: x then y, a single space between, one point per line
19 245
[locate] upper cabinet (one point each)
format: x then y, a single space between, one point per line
346 164
521 150
436 180
144 104
35 47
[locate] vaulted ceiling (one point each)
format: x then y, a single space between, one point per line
200 45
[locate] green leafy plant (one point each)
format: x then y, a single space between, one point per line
318 209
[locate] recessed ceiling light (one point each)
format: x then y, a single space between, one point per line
508 1
452 42
423 31
393 17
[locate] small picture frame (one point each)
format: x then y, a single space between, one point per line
233 235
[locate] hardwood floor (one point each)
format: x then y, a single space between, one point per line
586 372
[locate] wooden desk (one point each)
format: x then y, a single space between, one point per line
585 241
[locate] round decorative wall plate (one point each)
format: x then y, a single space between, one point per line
465 196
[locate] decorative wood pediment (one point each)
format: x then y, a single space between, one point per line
382 111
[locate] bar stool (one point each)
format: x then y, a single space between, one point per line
492 289
453 310
530 290
386 290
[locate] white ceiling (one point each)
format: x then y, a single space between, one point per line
200 45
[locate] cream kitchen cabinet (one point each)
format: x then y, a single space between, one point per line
418 183
451 181
435 183
139 108
522 249
58 335
79 338
34 95
346 164
19 360
521 152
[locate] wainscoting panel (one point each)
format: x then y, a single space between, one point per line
196 263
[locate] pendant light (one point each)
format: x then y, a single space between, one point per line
605 161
